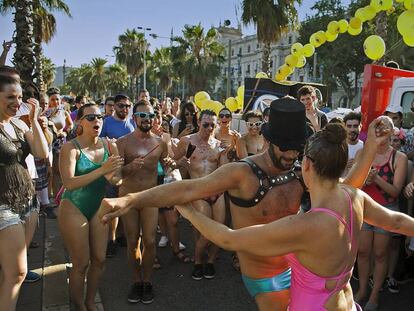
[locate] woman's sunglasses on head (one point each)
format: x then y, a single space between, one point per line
92 117
256 124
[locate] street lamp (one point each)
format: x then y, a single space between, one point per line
145 54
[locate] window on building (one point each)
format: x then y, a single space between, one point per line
290 40
271 63
258 46
240 51
248 69
248 49
232 52
301 78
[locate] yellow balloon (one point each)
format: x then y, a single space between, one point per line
409 4
296 49
284 70
217 106
231 104
301 62
354 32
206 104
240 102
343 25
320 37
355 23
279 77
199 97
360 13
390 11
313 41
405 23
308 50
374 47
330 37
386 5
369 12
240 91
261 75
376 4
333 27
291 60
399 1
409 40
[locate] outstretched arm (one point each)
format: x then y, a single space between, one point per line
277 238
359 171
177 193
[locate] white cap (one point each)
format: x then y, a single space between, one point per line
394 109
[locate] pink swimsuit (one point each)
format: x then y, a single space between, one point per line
308 291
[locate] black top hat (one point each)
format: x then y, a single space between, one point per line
287 124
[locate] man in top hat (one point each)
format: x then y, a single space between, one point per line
261 188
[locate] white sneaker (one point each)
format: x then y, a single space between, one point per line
163 241
181 246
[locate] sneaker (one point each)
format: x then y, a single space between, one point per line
209 271
135 293
197 272
392 285
32 277
163 241
181 246
50 212
147 293
111 249
371 283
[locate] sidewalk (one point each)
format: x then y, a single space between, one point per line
50 260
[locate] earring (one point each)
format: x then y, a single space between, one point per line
79 130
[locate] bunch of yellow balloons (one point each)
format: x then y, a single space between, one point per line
203 101
405 24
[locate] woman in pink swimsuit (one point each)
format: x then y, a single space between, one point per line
320 245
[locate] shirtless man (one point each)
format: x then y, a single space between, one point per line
206 158
141 150
262 188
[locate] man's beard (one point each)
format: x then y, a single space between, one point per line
122 117
277 161
144 129
353 137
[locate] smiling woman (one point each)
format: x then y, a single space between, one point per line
18 203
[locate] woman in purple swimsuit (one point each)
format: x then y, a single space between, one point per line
320 245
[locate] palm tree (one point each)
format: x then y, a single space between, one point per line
198 57
117 78
48 71
24 57
162 66
45 29
77 79
96 77
272 18
130 53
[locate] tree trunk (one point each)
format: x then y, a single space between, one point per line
38 75
24 58
266 58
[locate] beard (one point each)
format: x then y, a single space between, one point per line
353 136
144 127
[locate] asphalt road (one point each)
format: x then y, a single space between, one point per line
174 288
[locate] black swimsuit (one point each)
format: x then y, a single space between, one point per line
266 183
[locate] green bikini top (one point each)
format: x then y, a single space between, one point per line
84 165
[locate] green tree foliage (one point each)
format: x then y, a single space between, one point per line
272 19
197 57
48 72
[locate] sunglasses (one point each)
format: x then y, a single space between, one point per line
92 117
224 115
189 114
122 106
207 125
145 115
256 124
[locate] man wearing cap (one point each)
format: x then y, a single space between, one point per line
261 189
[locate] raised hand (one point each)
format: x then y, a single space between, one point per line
34 109
112 208
112 164
378 131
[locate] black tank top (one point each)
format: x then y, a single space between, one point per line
16 187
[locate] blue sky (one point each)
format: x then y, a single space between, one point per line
96 24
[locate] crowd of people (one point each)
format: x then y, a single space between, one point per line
116 171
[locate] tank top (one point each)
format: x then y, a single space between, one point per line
386 172
58 117
16 186
308 290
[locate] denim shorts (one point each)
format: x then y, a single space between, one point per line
10 218
367 227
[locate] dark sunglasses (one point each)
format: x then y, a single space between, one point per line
122 106
207 125
145 115
256 124
224 115
92 117
189 114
